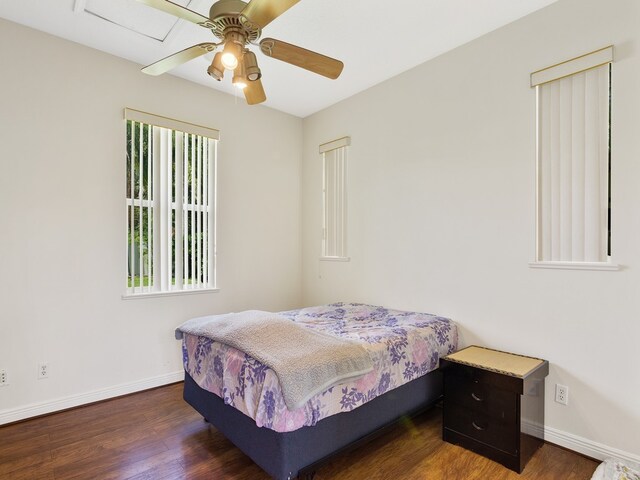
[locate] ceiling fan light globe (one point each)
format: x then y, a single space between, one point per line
253 76
229 61
216 69
251 68
240 83
215 73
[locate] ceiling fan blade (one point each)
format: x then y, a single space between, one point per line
179 11
262 12
254 93
172 61
301 57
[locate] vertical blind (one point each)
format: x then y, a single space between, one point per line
170 206
334 217
573 165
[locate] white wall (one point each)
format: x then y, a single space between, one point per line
62 221
441 212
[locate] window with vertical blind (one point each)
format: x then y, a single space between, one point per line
334 199
573 163
170 204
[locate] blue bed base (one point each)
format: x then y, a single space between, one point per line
297 454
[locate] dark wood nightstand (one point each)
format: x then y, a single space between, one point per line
494 404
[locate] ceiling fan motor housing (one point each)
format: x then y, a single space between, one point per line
225 17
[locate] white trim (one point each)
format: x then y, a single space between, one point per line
335 259
576 265
36 409
166 122
170 293
339 143
573 66
585 446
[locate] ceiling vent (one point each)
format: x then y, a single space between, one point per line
133 16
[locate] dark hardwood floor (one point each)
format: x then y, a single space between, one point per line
155 435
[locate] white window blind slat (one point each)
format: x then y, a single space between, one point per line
185 219
577 168
197 208
179 222
169 210
157 194
131 208
565 167
594 249
554 90
192 212
212 203
140 224
604 80
148 212
162 217
545 174
205 197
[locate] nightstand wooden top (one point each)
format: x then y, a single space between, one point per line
496 361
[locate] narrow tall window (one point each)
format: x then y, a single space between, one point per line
573 162
334 199
171 194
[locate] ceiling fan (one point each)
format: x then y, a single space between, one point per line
237 24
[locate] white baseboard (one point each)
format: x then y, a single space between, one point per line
586 447
35 409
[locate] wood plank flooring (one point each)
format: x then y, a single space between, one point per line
155 435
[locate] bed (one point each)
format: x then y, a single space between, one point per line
243 399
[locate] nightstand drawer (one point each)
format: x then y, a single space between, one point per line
490 431
481 397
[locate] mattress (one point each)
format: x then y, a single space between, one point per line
403 346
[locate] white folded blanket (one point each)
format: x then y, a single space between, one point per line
306 361
614 469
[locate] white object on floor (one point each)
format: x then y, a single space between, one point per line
614 469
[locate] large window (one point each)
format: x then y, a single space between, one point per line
170 200
334 199
574 162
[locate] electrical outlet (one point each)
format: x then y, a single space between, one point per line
562 394
4 378
43 370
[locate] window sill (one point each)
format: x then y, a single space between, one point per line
335 259
576 265
132 296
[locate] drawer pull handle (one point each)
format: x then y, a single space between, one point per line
476 426
476 397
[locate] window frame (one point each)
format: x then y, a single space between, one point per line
339 201
583 63
190 146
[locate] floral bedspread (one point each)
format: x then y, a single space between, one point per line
402 345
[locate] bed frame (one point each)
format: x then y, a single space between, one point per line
288 455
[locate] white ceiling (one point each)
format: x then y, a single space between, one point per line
376 39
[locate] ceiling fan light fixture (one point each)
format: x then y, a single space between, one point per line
216 69
229 61
230 55
251 66
240 77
